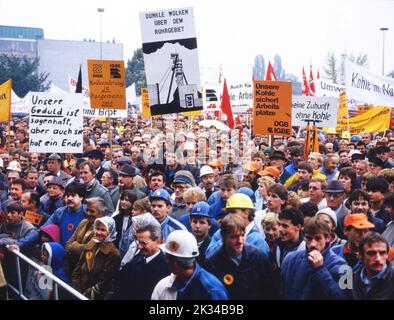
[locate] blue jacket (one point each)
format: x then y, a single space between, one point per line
250 280
253 237
288 172
300 281
185 220
218 209
168 225
350 259
201 286
57 257
60 217
47 206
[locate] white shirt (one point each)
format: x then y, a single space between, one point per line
163 290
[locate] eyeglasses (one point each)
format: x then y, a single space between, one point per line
142 242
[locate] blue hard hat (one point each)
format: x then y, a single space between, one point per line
355 138
200 209
249 192
160 194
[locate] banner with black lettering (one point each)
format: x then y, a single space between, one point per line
169 45
363 85
55 122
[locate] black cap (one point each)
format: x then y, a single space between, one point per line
377 161
96 154
127 170
382 149
278 155
357 156
335 186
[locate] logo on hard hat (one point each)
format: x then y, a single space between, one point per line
173 246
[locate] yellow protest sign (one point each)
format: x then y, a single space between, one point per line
342 110
376 119
145 109
107 84
33 217
5 101
272 108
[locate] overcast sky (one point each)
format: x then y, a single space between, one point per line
229 33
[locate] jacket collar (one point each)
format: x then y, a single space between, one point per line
104 247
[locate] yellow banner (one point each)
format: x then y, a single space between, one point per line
145 109
342 110
5 101
376 119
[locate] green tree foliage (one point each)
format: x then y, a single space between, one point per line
334 69
135 71
259 67
23 73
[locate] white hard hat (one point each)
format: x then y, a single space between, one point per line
181 244
205 170
1 163
191 135
14 166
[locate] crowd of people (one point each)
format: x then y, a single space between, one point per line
165 209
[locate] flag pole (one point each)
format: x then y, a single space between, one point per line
110 135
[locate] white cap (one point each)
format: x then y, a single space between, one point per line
205 170
1 163
14 166
329 212
181 244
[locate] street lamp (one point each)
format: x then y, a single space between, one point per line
101 10
383 29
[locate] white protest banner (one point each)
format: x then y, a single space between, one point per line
169 45
241 97
19 106
328 89
322 110
55 122
363 85
87 110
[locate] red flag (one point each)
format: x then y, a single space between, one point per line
270 76
311 82
226 106
305 88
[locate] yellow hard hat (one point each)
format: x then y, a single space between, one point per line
346 135
331 130
239 200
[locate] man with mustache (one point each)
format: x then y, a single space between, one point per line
375 280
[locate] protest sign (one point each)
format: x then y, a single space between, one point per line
169 45
241 97
55 122
145 110
328 89
94 113
33 217
212 96
363 85
272 107
107 84
320 111
377 119
5 101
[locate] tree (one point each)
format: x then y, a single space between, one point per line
259 68
24 74
296 85
335 71
279 71
135 71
